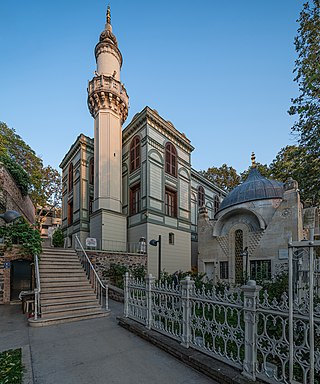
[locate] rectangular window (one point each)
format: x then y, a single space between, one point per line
70 212
260 269
171 238
171 203
224 270
135 199
90 204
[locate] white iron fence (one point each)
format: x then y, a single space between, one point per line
241 327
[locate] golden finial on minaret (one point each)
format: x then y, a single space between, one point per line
108 15
253 160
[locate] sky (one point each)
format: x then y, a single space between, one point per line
220 71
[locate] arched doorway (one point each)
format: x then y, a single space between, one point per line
21 278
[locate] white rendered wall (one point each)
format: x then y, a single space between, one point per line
108 161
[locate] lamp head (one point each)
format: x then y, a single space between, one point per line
10 216
153 242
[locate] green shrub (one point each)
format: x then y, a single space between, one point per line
57 238
116 273
11 368
19 175
24 234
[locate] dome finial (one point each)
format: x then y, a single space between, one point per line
253 160
108 15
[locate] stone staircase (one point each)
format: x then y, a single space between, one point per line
66 294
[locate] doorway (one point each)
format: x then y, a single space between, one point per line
20 278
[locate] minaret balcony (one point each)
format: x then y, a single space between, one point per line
107 92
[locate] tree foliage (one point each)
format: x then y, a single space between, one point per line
262 168
224 177
297 162
24 234
307 72
291 161
43 184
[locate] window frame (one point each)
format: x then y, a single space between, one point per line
201 196
135 197
91 171
170 202
135 154
255 269
70 178
171 238
70 212
224 270
171 159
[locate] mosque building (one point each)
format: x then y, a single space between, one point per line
128 186
136 183
250 232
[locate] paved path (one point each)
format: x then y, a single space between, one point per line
92 351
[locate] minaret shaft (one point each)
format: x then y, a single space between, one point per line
108 105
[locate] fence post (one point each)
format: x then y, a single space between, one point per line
187 287
149 285
251 295
126 295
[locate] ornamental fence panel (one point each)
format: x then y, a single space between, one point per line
242 327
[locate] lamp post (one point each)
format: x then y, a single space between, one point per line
245 254
154 243
10 216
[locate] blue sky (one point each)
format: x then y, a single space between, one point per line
220 71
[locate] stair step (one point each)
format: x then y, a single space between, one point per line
52 281
51 271
56 299
67 305
62 275
55 264
66 319
65 284
60 259
70 311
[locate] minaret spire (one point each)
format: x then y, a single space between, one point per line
253 160
108 15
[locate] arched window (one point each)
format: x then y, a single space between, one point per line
91 171
70 178
200 196
216 204
171 159
135 154
238 255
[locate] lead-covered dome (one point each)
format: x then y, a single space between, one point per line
256 187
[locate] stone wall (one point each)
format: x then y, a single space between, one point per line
5 273
11 198
103 260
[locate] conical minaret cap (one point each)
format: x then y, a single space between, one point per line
107 34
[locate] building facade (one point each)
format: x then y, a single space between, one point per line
249 235
127 187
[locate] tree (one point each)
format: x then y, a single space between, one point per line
42 183
224 177
297 162
307 70
262 168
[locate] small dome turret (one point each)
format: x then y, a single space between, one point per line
255 187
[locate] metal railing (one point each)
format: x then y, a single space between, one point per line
100 289
118 247
37 290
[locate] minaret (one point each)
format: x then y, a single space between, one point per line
108 105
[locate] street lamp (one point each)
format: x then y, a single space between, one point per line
245 254
10 216
154 243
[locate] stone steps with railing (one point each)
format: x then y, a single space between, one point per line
66 293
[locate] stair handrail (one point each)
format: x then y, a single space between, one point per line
37 289
95 277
